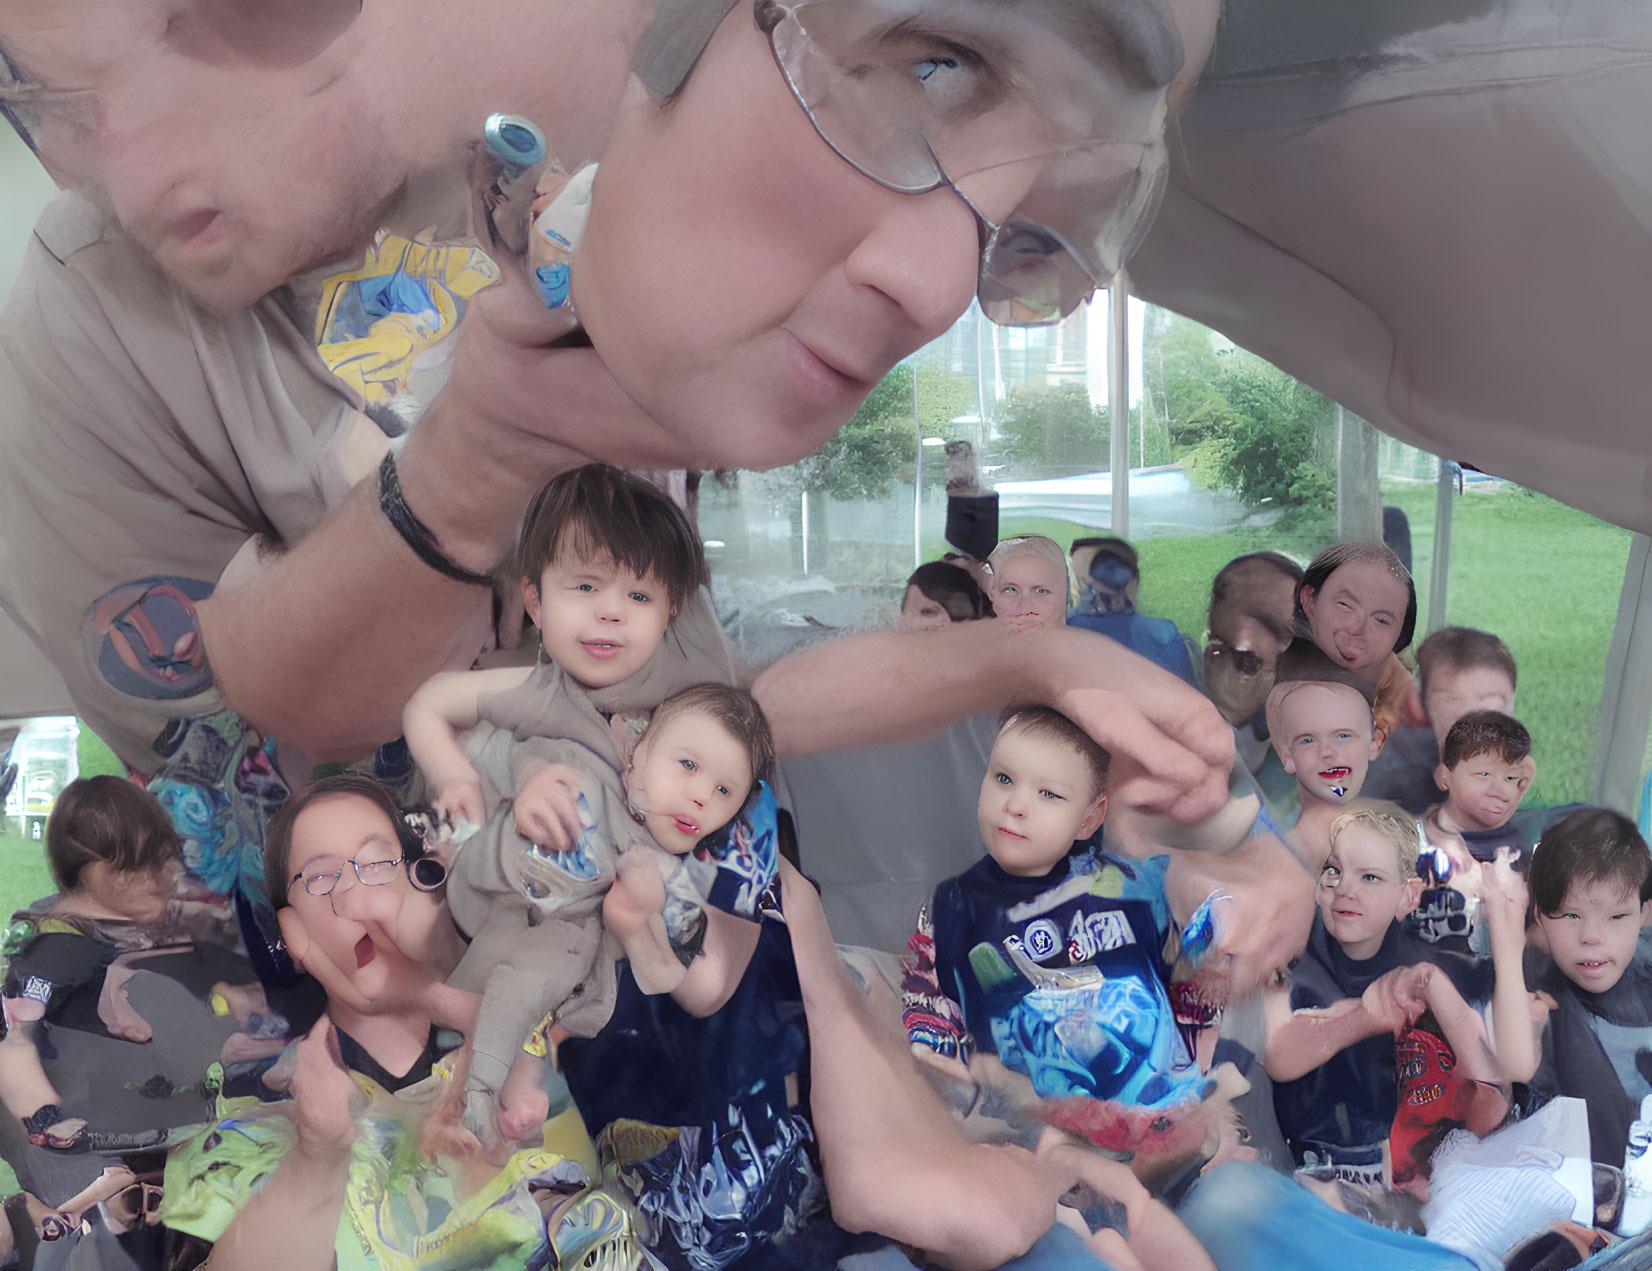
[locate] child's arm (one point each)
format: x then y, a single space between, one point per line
1503 895
1297 1042
24 1086
444 705
1466 1035
710 980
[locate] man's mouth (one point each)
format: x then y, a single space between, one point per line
366 951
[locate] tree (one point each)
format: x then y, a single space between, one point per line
1182 374
1053 426
1271 450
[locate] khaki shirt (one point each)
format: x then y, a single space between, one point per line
144 438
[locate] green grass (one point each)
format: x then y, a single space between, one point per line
1543 576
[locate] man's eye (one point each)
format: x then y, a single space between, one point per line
1008 589
1042 591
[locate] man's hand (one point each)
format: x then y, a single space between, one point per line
326 1098
547 807
1398 999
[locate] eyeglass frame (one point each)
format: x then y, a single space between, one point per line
355 868
988 231
1217 647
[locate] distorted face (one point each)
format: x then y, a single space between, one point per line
1239 667
688 777
1038 799
344 938
1592 937
1453 692
1484 790
140 896
238 142
599 622
1327 740
1362 890
1356 616
921 613
1029 591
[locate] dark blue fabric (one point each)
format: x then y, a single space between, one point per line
1156 639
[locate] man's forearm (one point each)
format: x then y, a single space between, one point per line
326 645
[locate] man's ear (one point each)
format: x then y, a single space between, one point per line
530 600
294 934
1410 894
1094 817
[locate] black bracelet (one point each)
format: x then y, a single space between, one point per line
415 533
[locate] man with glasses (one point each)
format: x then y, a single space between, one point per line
249 152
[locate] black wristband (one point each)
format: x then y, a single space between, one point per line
415 533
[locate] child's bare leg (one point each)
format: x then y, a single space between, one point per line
523 1103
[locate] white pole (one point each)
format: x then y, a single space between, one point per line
1118 400
918 475
805 533
1439 568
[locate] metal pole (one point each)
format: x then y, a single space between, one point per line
918 475
805 533
1439 568
1626 703
1118 401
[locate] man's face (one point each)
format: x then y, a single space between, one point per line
1328 740
1361 890
1356 616
1484 791
344 939
688 778
729 245
236 142
599 623
1037 800
1455 691
1593 936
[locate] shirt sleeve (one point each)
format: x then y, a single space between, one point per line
932 1018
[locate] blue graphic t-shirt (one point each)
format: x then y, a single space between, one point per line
1062 976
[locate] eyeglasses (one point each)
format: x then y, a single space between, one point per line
26 106
958 97
368 874
1246 664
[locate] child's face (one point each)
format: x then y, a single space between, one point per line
1038 799
1032 589
1355 617
1453 692
1484 791
1593 936
920 613
1329 740
1361 890
599 623
688 777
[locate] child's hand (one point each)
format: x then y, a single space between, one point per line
547 807
1397 999
325 1097
638 894
461 797
1023 622
1504 894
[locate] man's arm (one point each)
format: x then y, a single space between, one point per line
1171 750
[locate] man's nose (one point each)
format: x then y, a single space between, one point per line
923 252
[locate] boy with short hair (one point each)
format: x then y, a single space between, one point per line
1321 724
1591 879
1485 769
1051 958
1459 670
609 563
1361 982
